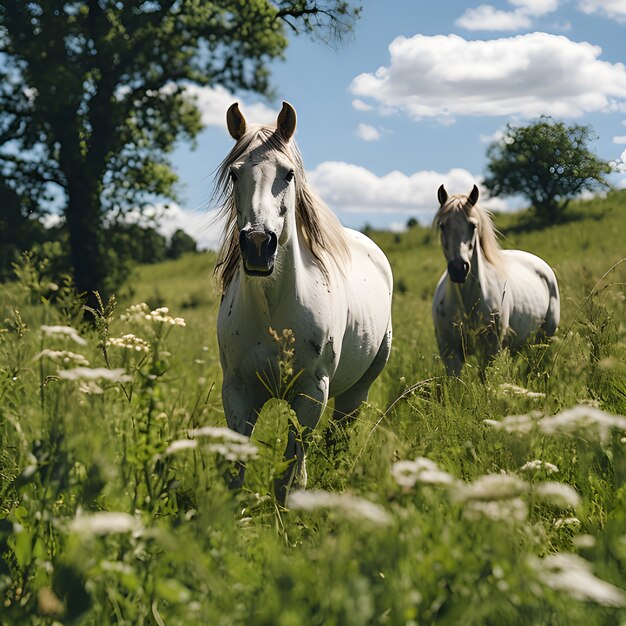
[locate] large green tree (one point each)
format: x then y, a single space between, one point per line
546 161
93 96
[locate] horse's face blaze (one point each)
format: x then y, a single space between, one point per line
458 239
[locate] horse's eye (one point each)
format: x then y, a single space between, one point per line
290 175
233 176
472 226
441 225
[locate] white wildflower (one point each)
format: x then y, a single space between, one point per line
492 487
104 523
231 445
583 420
558 494
421 470
537 465
130 342
64 331
162 315
232 451
64 357
520 424
181 444
91 388
571 574
218 432
584 542
572 522
118 375
135 312
506 510
511 389
351 506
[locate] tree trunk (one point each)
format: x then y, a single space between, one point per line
84 223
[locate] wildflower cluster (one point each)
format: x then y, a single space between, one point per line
351 506
63 357
129 342
227 443
580 420
421 470
64 331
141 312
286 348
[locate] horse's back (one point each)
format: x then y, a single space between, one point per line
535 295
368 257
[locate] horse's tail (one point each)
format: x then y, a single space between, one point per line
553 314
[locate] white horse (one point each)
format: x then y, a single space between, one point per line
502 297
287 263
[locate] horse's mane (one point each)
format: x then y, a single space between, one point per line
487 234
321 231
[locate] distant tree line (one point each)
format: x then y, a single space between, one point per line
132 243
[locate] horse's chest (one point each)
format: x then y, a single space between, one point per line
253 340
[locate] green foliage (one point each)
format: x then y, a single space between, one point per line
546 161
95 96
114 505
181 243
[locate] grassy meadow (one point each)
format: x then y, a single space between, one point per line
477 501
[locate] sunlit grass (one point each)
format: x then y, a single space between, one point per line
475 501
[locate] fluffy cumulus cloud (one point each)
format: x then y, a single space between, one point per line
526 75
367 132
487 17
615 9
204 227
349 188
214 101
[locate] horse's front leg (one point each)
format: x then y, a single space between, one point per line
308 405
241 409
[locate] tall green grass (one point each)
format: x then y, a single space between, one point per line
432 508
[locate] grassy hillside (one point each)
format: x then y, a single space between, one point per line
434 508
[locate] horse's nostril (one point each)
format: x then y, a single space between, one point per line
272 243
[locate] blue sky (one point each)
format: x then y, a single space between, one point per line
415 96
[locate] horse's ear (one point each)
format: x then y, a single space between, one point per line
286 124
235 121
473 197
442 195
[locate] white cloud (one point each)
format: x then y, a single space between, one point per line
487 17
213 103
367 132
527 75
359 105
536 7
615 9
350 188
619 139
168 218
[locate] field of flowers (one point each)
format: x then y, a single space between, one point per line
449 501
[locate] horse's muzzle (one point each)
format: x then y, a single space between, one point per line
258 251
458 270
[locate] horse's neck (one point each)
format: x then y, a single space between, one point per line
479 284
266 294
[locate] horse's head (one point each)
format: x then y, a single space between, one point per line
459 231
264 191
